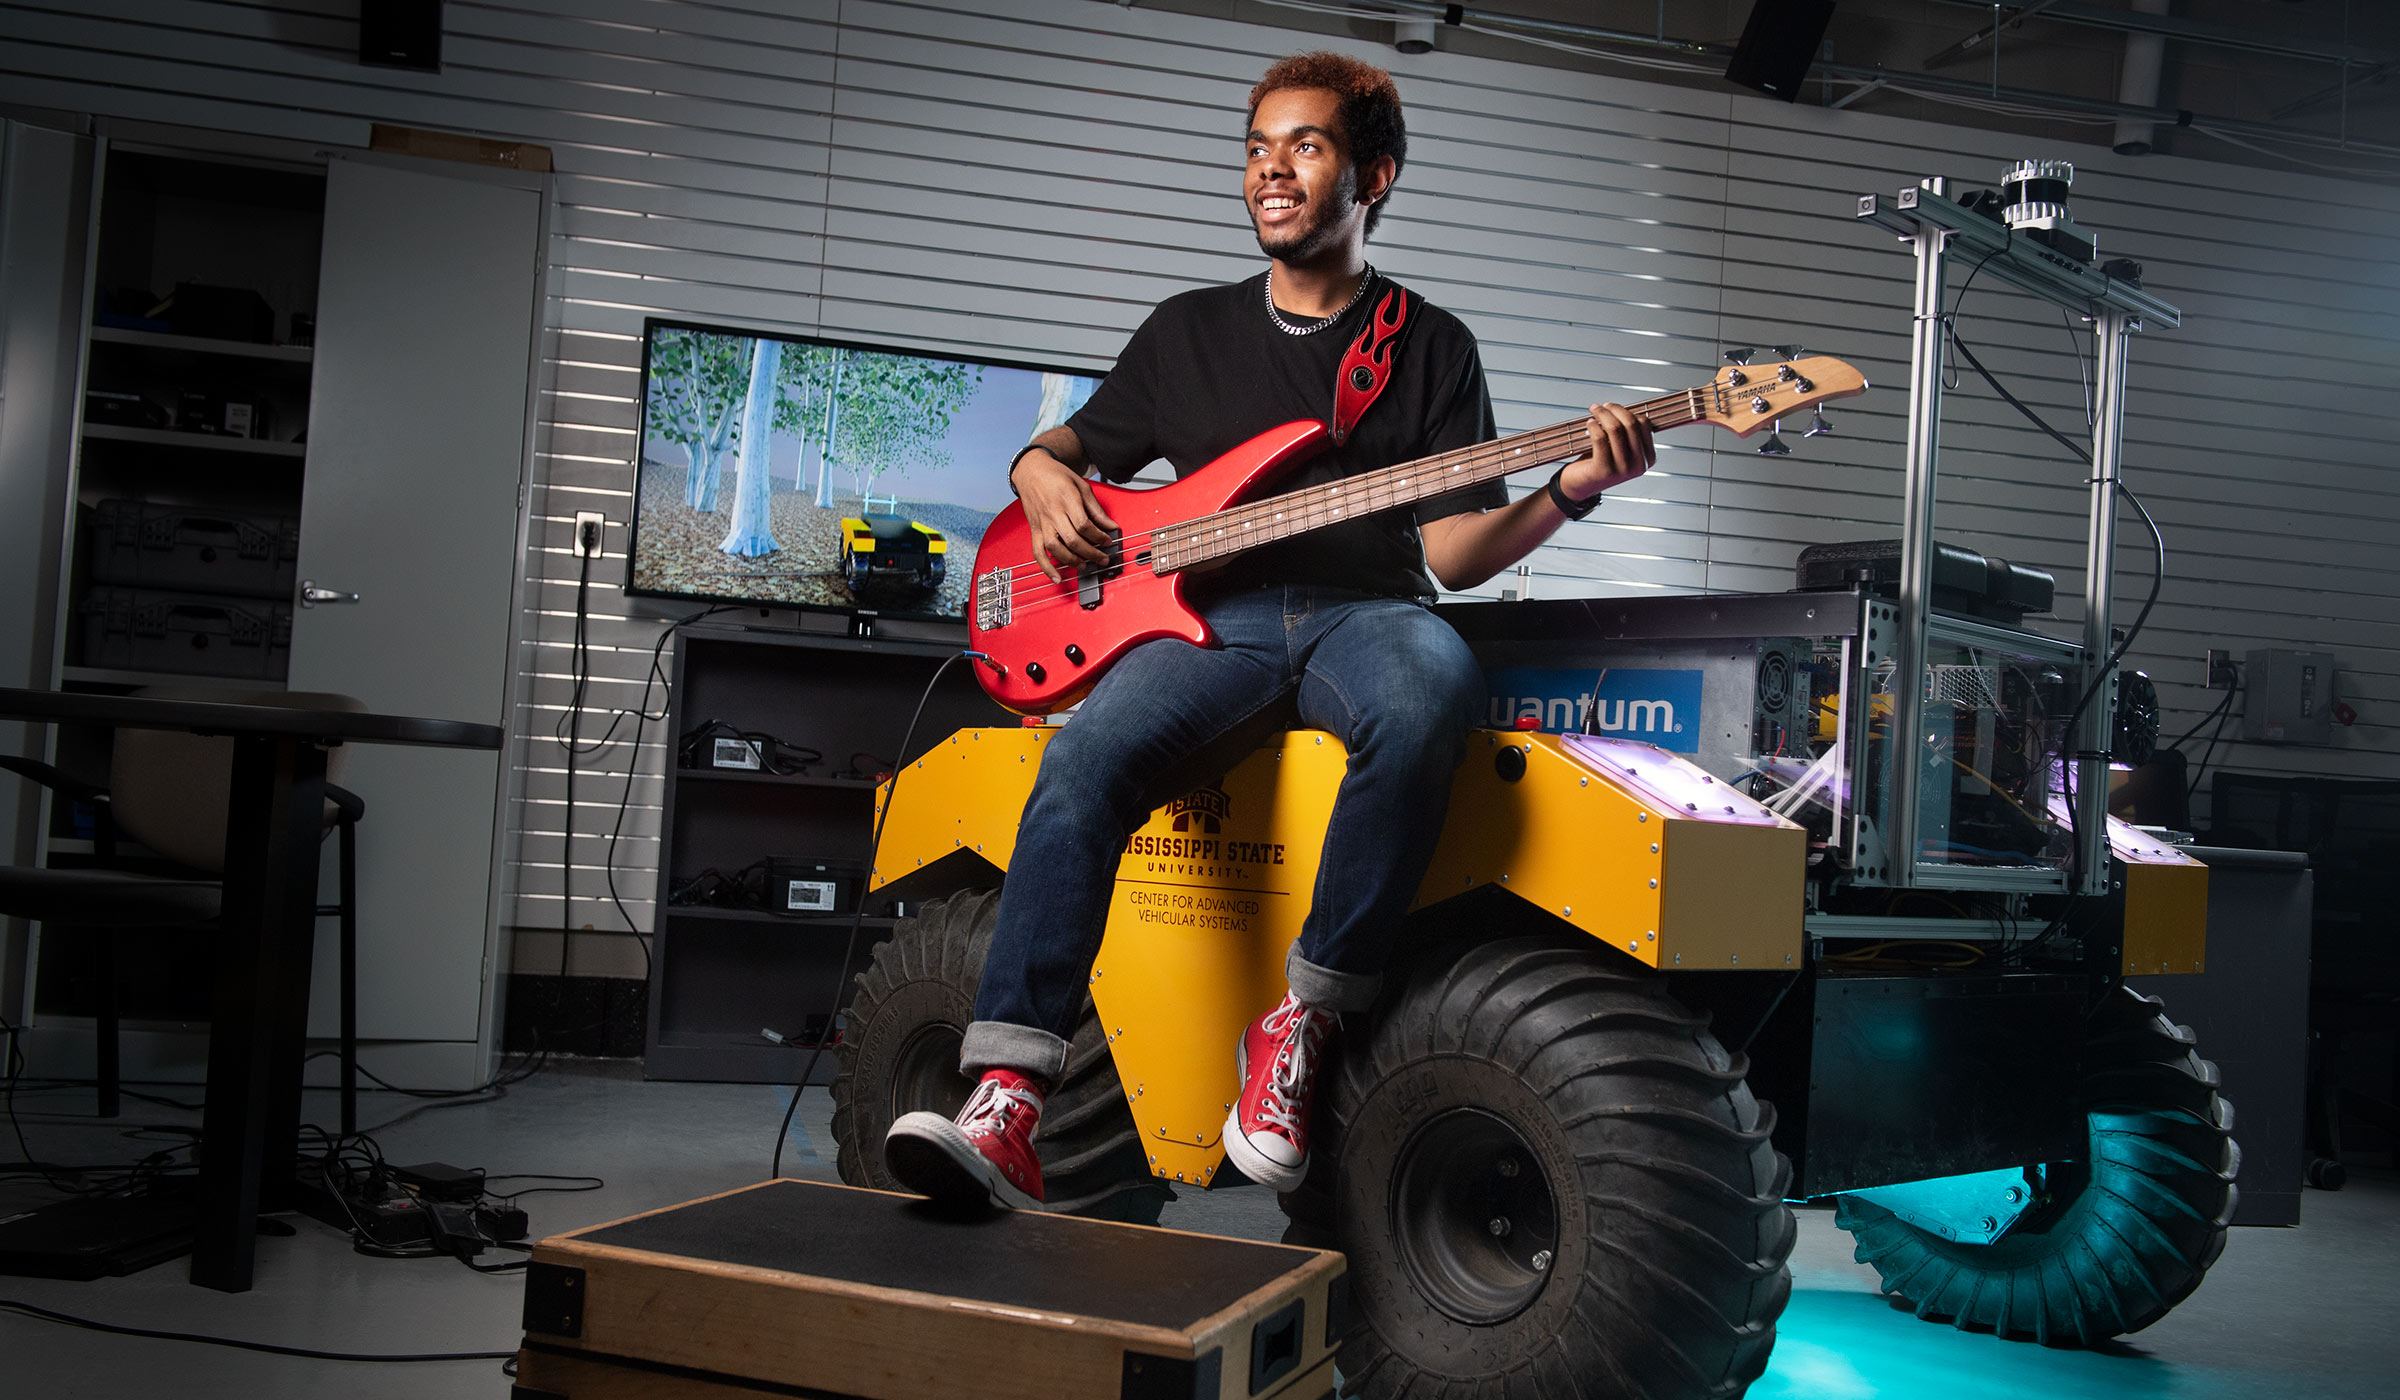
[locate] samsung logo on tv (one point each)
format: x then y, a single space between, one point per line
1660 707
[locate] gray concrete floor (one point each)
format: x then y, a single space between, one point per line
2304 1312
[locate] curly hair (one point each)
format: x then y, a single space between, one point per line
1369 108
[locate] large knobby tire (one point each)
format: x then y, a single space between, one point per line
1551 1182
901 1054
2126 1235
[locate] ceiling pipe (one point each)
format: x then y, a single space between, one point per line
2063 102
2137 81
1899 80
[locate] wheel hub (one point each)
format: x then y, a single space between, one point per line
925 1073
1474 1217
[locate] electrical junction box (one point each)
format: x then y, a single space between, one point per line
2290 698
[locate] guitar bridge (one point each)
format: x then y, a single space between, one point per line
992 600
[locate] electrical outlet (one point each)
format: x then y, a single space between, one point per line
2220 673
591 527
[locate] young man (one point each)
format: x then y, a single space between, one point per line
1329 626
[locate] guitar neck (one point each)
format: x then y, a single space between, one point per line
1225 533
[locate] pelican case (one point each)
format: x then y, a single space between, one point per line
143 545
801 1288
136 629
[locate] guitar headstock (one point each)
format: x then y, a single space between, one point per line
1744 398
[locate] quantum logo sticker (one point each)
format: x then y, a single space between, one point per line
1658 707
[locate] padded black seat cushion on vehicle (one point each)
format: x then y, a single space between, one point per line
107 898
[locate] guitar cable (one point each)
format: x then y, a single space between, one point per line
858 912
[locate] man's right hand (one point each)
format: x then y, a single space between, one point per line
1069 528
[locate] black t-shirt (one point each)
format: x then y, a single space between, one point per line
1208 371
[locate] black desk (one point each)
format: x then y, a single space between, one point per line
275 821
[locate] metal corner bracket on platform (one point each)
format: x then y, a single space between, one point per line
1939 227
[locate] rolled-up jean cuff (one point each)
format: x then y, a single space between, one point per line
1327 989
1002 1045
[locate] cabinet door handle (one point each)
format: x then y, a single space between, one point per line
311 594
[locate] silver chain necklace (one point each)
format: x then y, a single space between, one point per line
1289 329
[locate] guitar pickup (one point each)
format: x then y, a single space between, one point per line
1089 578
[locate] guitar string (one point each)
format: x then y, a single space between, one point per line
1324 504
1318 505
1069 590
1129 546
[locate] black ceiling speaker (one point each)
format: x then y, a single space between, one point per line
1778 44
401 34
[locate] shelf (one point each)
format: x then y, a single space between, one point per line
205 442
743 775
102 675
204 345
760 916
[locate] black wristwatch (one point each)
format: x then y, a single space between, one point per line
1571 509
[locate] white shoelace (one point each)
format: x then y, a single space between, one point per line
1294 1063
988 1111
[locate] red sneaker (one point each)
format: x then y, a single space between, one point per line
983 1157
1266 1135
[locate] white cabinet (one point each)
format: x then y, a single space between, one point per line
407 484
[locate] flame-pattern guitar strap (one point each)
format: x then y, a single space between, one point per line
1367 365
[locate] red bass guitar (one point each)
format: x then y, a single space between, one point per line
1049 643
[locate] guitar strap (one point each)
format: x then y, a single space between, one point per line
1367 365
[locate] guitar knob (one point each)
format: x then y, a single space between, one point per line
1034 672
1075 654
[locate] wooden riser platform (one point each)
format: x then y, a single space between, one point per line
549 1375
798 1288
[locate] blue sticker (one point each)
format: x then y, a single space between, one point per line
1657 707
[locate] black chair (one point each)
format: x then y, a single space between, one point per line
168 791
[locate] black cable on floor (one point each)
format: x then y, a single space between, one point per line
271 1348
858 915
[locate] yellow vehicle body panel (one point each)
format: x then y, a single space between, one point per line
1670 888
2166 903
1214 886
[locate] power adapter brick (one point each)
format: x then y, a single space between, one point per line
439 1181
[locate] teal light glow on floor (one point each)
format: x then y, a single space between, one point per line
2305 1312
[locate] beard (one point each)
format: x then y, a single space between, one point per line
1319 227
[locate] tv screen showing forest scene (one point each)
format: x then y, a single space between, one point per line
789 471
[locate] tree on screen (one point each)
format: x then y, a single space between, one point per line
895 414
810 410
697 380
864 413
753 532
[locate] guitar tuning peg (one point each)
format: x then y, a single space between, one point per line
1817 426
1790 352
1774 445
1739 357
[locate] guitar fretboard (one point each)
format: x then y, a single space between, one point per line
1207 538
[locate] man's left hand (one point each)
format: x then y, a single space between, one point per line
1621 451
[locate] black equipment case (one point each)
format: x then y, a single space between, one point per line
800 1288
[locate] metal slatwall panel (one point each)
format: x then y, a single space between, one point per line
1026 177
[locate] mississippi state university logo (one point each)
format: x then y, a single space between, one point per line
1203 810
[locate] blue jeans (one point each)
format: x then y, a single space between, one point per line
1384 675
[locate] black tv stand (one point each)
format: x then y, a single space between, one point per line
724 971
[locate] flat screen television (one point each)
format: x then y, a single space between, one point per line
791 471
